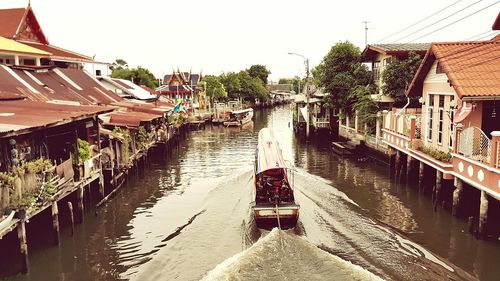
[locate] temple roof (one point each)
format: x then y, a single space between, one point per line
16 23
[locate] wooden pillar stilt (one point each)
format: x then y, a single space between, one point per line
392 162
71 218
23 246
80 204
457 196
421 175
398 164
483 213
437 189
409 168
55 222
402 168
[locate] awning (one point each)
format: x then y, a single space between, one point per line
463 111
303 110
269 155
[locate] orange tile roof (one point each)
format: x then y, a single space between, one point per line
473 68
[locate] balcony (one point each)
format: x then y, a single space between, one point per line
477 159
321 123
400 129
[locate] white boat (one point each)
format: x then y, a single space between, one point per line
239 118
274 203
6 220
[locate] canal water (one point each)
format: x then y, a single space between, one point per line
188 218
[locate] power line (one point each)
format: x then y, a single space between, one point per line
413 24
440 20
472 37
469 15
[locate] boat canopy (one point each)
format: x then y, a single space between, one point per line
242 111
269 155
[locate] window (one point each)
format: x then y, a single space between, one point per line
387 61
376 71
440 119
29 62
430 112
98 72
440 126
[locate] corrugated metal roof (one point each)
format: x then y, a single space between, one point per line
131 118
23 116
394 49
473 68
132 89
58 53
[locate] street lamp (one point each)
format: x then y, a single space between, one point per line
306 63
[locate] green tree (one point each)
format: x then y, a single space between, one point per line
398 75
259 71
296 83
339 73
139 75
365 105
252 87
232 84
214 88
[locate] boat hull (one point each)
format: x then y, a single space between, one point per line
266 217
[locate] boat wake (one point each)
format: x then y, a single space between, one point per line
282 255
334 240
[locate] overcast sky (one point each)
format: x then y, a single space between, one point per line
229 35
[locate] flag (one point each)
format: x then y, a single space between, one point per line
177 108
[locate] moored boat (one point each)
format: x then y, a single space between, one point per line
274 203
239 117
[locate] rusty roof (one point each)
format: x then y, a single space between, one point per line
399 49
473 68
55 84
23 116
58 53
131 118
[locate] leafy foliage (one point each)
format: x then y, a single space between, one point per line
142 138
259 71
139 75
252 87
84 150
340 73
434 153
214 88
232 84
398 75
365 106
126 143
296 82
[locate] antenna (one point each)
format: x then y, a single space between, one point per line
366 31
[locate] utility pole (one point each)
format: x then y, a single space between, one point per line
307 98
366 32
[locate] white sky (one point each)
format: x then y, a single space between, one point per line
231 35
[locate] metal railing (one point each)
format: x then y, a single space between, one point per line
321 122
474 144
497 164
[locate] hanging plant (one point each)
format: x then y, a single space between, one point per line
84 150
